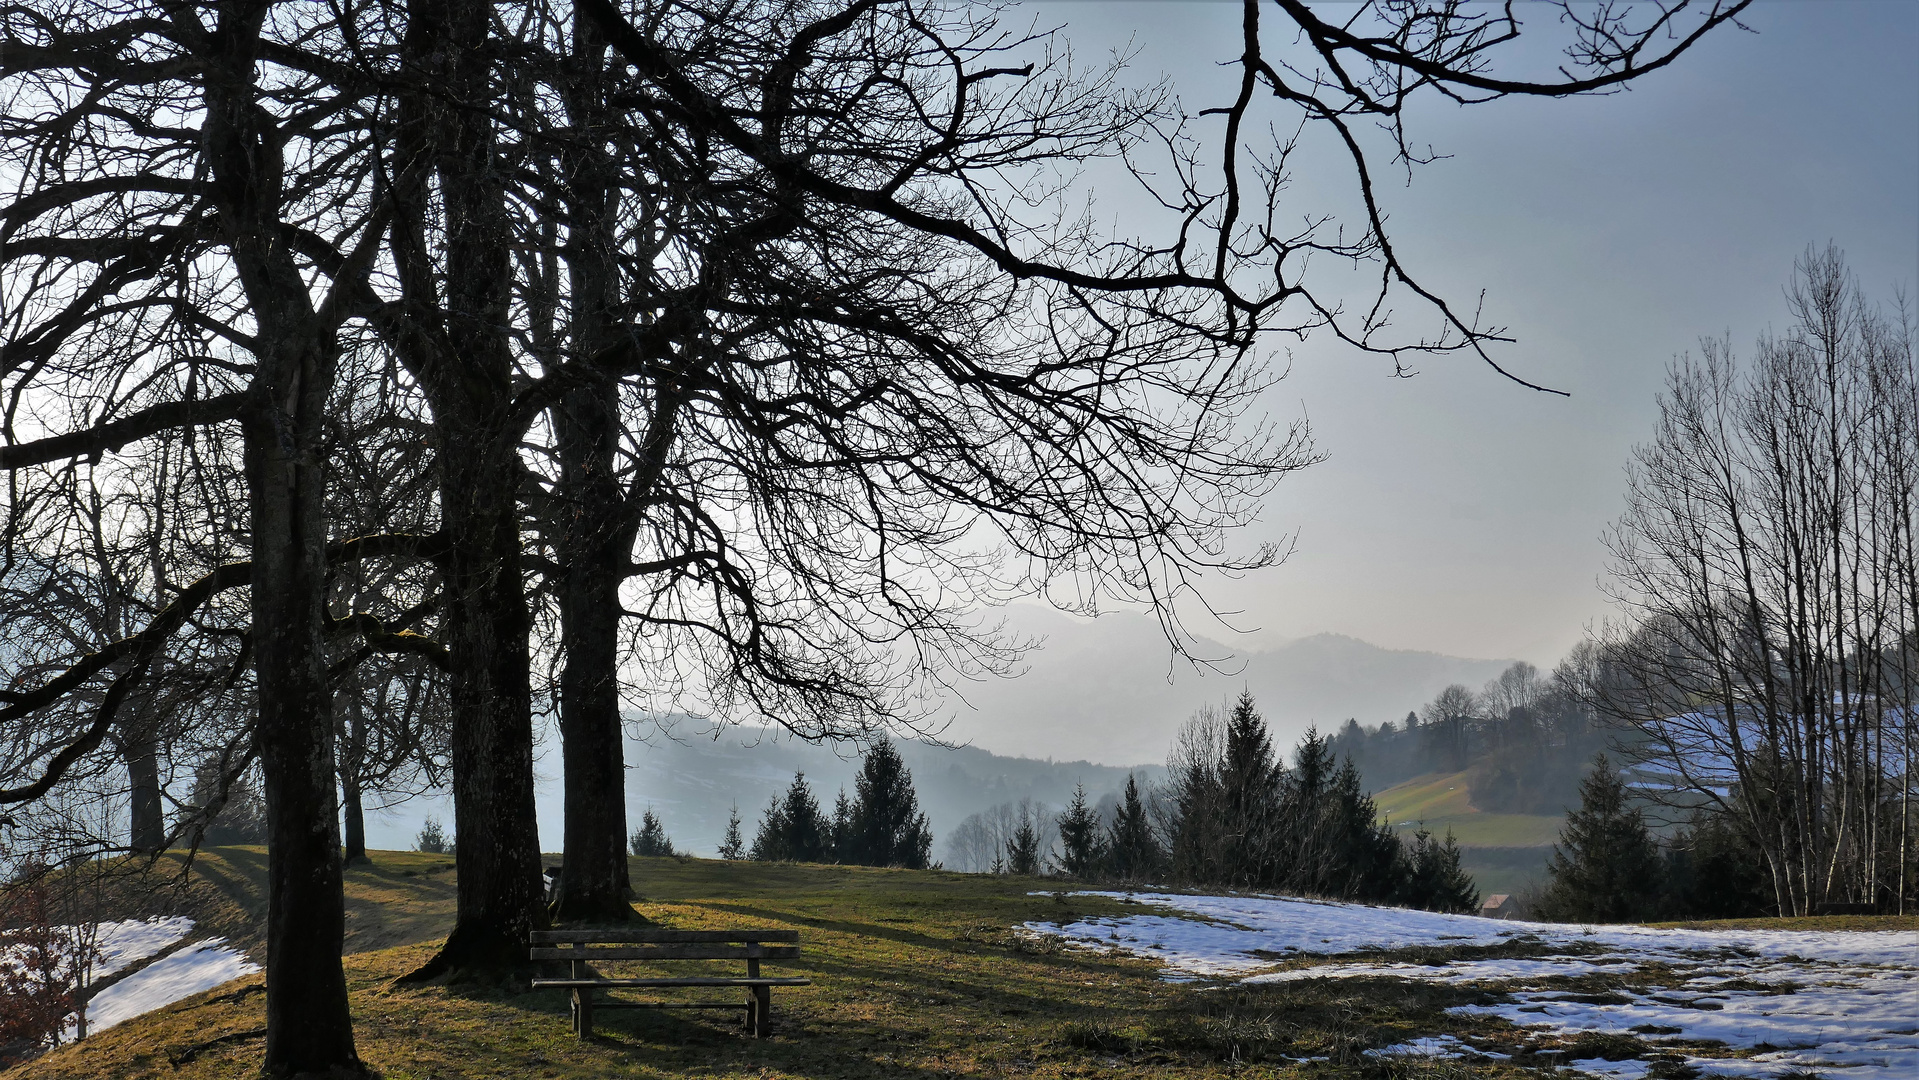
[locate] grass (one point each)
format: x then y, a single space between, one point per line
1441 802
917 974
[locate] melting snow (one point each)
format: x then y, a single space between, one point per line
1807 1000
200 966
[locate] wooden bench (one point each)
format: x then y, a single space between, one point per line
583 947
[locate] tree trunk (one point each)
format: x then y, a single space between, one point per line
593 878
469 383
352 762
309 1027
147 819
592 546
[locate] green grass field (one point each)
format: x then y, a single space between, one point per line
1503 852
917 974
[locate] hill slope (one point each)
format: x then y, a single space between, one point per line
1503 852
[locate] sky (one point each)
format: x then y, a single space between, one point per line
1458 512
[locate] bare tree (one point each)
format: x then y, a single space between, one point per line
1764 561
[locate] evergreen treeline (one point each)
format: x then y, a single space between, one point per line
1610 867
1232 814
880 826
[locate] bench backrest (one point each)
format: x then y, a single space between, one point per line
664 945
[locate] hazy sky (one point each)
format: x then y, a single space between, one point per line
1458 512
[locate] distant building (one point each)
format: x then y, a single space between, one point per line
1502 906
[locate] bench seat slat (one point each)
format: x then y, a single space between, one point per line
671 952
614 984
659 937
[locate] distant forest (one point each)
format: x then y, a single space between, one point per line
1523 740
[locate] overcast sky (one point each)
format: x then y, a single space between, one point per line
1458 512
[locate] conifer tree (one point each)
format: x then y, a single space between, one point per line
732 846
793 829
1082 848
1431 877
650 838
1133 848
1251 782
1022 847
1606 867
839 840
887 828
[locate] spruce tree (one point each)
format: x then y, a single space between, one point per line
1606 867
1082 848
1022 848
887 828
650 838
1431 877
793 829
839 840
733 847
1132 846
1251 782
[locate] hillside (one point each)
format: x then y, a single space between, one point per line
927 974
1503 852
691 779
1108 689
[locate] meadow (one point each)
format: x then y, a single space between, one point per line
917 974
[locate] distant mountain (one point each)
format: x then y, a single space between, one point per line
1108 689
691 780
1100 696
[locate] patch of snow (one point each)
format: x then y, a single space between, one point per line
123 943
1809 1001
1630 1069
200 966
1438 1046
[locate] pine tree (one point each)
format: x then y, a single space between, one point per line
1133 848
887 827
1022 848
433 838
793 829
1606 867
650 838
1251 791
733 847
840 834
1431 877
1082 848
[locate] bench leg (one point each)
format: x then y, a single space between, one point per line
583 1012
762 1011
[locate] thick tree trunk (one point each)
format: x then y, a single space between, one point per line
498 856
593 879
309 1027
592 546
146 817
469 383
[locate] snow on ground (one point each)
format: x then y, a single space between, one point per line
200 966
122 943
1807 1000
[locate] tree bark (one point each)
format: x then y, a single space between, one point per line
593 878
592 546
148 828
467 374
309 1027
